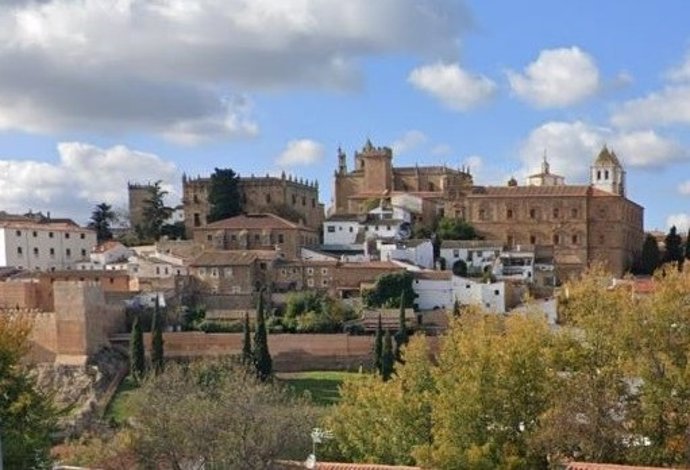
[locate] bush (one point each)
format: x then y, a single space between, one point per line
312 312
388 290
208 326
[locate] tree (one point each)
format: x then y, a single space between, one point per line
378 346
246 341
401 337
214 414
390 289
687 245
155 212
387 357
137 359
455 229
650 258
674 247
157 354
101 219
224 195
262 358
27 414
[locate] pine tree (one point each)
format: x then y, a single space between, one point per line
387 357
261 356
378 346
401 337
674 247
650 258
246 342
224 195
137 361
157 354
101 218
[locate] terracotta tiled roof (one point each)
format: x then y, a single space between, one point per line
254 222
471 244
225 258
371 265
526 191
433 275
605 466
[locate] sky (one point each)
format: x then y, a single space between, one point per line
96 93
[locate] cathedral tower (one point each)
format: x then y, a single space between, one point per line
607 173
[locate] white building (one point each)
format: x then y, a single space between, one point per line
434 290
380 222
341 229
490 296
515 265
43 244
417 252
478 255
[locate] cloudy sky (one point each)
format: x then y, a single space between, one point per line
95 93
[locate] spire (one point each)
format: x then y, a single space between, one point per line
545 164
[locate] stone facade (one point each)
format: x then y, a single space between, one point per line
138 195
374 177
292 198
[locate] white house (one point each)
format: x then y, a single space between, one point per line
434 290
110 252
515 265
43 244
478 255
490 296
341 229
417 252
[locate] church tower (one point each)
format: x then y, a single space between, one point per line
607 173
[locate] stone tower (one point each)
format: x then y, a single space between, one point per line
139 194
377 165
607 173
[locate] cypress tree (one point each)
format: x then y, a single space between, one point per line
674 247
387 357
650 258
378 346
246 342
456 308
687 246
137 364
401 337
157 355
261 356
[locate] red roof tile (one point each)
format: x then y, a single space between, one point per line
254 222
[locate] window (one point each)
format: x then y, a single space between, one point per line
573 213
67 235
268 198
598 174
555 212
324 282
606 174
313 203
34 234
214 272
574 239
158 270
456 253
310 282
331 229
532 240
195 198
496 292
601 239
209 237
197 220
112 280
83 252
351 230
166 270
388 227
304 201
262 266
310 271
281 238
19 233
233 238
482 214
82 236
556 239
36 252
68 252
257 237
52 252
324 271
532 214
509 240
202 272
294 199
50 234
509 214
227 272
19 250
236 290
340 229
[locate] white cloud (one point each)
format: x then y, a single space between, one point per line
84 176
441 150
684 188
680 73
475 162
175 67
453 86
301 152
668 106
681 221
572 146
409 141
558 78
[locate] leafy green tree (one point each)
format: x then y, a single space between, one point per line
157 353
401 337
155 212
378 346
263 364
455 229
650 259
216 414
687 246
224 195
101 219
460 268
137 358
387 357
390 289
315 312
246 341
383 422
27 414
674 247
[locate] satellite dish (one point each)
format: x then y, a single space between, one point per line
404 231
311 461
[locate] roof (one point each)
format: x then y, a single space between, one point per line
433 275
107 246
344 218
347 466
607 158
606 466
255 222
371 265
233 257
471 244
52 224
538 191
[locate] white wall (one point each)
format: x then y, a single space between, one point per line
477 259
489 296
433 293
340 232
117 253
421 254
3 248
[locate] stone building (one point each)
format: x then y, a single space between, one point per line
291 198
256 232
437 188
583 223
138 195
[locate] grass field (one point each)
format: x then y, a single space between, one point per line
119 408
323 386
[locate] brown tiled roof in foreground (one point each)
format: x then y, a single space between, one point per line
254 222
606 466
537 191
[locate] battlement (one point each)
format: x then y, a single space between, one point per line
139 186
253 179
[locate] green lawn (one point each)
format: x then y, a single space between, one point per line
322 385
119 408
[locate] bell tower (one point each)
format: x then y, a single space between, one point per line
607 173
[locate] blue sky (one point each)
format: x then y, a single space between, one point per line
95 93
